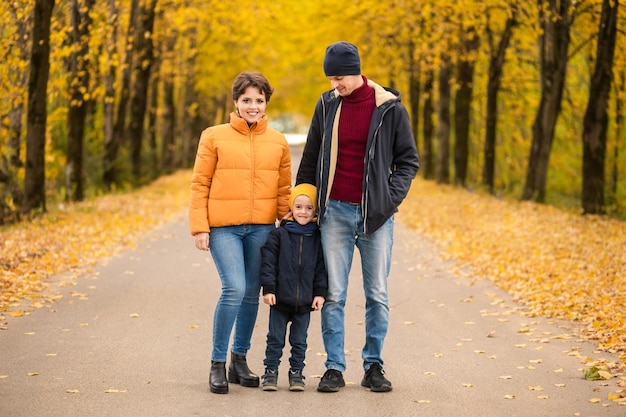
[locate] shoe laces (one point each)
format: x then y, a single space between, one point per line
332 374
376 369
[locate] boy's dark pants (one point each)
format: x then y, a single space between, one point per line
276 338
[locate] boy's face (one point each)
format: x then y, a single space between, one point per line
303 209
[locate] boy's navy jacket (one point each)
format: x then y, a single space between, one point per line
293 266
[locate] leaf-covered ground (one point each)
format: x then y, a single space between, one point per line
74 238
557 264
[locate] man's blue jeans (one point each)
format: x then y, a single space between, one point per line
236 251
342 230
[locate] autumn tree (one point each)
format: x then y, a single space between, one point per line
554 20
497 53
34 182
596 116
111 162
139 98
79 72
15 50
463 99
111 142
427 159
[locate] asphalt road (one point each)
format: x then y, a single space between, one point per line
133 339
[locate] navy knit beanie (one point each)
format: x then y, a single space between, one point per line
342 58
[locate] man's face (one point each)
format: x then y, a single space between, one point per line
345 84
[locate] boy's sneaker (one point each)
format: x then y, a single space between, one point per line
331 381
270 380
375 380
296 380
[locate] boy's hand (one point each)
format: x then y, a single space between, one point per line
269 299
318 302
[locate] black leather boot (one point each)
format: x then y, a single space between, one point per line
217 378
239 373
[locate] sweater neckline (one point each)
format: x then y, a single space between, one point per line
363 93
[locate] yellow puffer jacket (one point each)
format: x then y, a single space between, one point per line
242 175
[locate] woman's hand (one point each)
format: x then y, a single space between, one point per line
202 240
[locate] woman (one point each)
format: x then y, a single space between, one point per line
240 186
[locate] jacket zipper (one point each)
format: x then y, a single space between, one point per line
251 142
299 272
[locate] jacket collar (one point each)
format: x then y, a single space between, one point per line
240 125
382 94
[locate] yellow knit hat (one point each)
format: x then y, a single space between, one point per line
304 189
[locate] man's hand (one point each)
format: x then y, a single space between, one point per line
269 299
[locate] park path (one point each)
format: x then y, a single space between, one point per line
132 339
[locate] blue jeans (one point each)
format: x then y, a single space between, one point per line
236 251
342 230
276 338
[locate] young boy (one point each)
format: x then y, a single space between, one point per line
294 280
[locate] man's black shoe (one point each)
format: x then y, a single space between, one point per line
331 381
375 380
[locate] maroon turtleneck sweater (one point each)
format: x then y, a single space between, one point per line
354 124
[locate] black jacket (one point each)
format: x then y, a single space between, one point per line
391 160
292 266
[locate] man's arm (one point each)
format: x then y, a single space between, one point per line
308 164
405 158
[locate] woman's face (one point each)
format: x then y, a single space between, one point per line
251 104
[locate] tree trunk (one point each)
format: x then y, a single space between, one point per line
34 181
553 47
463 105
112 148
191 116
496 62
153 109
78 84
619 120
443 129
139 102
111 142
414 92
11 197
596 117
168 153
427 164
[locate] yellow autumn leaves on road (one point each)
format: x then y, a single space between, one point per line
71 239
555 263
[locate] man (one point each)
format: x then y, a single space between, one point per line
361 154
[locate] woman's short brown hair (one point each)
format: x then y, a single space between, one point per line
251 79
